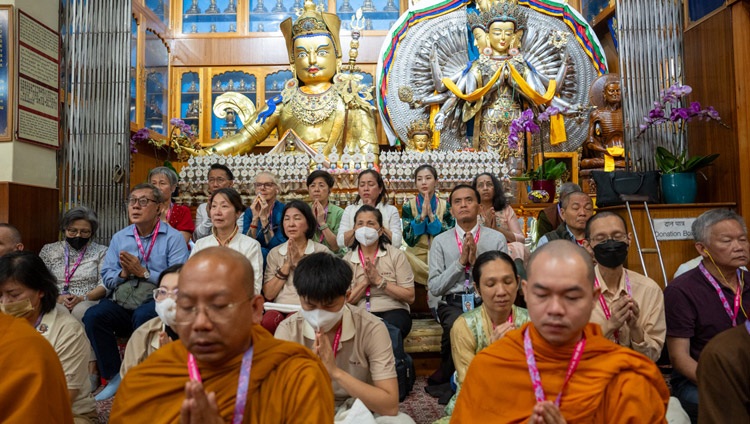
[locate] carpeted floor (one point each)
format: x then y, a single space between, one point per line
423 408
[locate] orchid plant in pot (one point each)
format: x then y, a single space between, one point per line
678 170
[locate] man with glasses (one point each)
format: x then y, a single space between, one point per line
630 308
135 259
219 176
206 376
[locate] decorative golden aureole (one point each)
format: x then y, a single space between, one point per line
420 136
501 76
327 109
605 140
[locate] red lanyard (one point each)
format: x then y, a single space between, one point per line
536 379
737 295
367 290
337 340
242 382
461 249
69 272
226 242
145 255
605 307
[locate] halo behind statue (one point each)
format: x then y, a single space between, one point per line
404 60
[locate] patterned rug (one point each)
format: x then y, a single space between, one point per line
423 408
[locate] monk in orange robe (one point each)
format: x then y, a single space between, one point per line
32 383
610 384
287 383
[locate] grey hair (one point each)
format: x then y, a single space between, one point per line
270 174
80 212
565 200
163 170
567 188
702 225
158 197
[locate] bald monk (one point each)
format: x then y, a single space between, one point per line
217 320
32 386
608 383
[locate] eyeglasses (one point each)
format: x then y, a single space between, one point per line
75 232
264 185
217 314
161 294
142 202
601 238
218 180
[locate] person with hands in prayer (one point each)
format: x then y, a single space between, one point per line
558 368
225 367
262 220
353 344
383 282
298 228
327 215
452 255
630 309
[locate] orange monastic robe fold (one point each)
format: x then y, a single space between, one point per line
32 383
288 384
612 384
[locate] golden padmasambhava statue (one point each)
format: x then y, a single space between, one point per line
327 109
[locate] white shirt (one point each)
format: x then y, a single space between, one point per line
391 220
247 246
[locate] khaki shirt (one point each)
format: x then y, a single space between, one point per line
72 346
275 259
393 267
364 351
143 342
650 299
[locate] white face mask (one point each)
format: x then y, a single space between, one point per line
366 236
167 311
322 320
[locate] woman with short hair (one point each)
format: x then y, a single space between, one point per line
177 216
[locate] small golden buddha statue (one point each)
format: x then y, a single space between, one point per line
329 110
420 136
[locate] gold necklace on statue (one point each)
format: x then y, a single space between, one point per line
313 109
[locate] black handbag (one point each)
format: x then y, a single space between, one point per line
614 188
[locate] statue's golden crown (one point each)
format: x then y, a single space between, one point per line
505 11
420 126
311 22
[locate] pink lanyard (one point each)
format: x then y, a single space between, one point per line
737 295
145 255
460 250
326 220
337 340
510 319
536 379
605 307
242 383
362 261
69 272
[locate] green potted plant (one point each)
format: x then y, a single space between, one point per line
678 183
544 176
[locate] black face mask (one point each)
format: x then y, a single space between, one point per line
77 243
611 253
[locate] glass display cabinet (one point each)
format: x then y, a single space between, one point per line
189 98
160 9
230 81
156 67
209 16
133 69
379 15
266 15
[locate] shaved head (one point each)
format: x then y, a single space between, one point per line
560 292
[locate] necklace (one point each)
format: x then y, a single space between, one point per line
313 109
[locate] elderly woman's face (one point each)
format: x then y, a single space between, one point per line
78 228
162 183
13 291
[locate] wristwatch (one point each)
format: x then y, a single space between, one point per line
146 275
